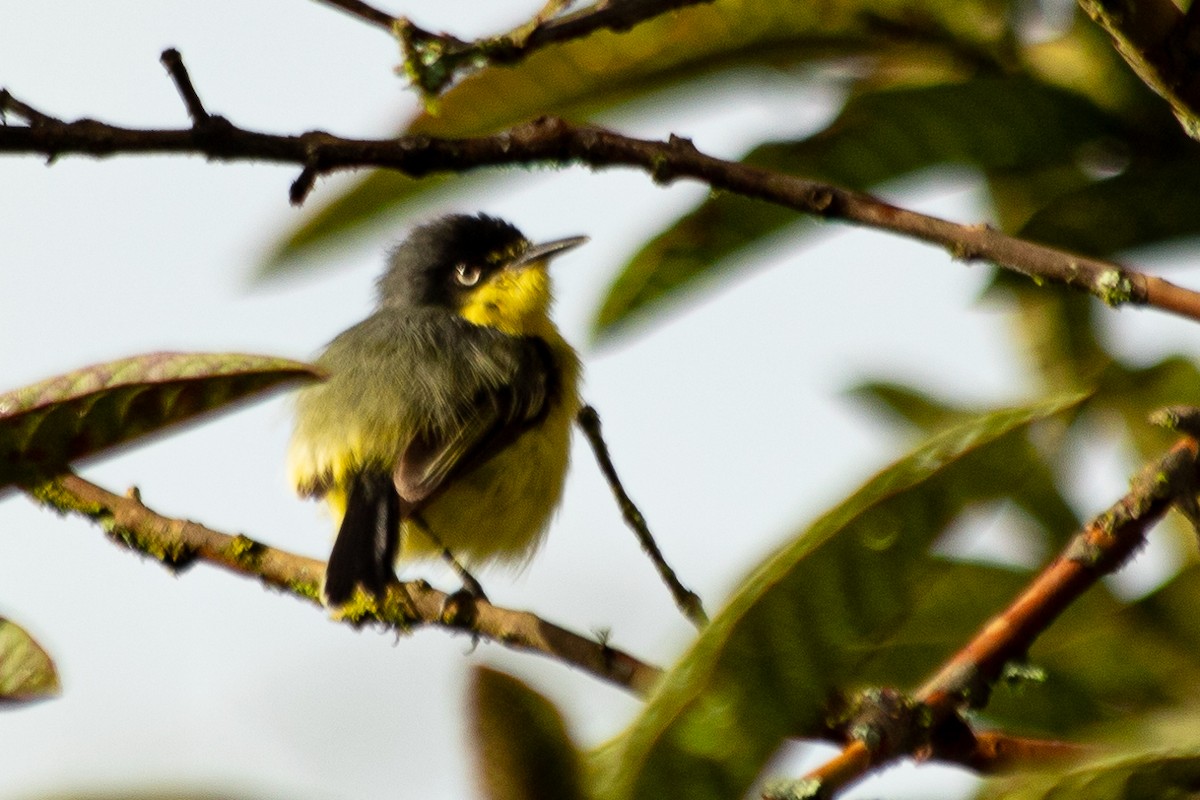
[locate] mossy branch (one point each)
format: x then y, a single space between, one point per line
179 543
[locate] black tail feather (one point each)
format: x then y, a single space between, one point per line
364 553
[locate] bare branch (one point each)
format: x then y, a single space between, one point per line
554 141
687 600
359 9
183 83
178 543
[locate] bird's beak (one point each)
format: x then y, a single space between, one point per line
544 252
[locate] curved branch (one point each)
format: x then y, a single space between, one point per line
178 543
554 141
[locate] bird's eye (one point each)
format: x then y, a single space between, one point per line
467 275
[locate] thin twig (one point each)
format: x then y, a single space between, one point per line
28 113
687 600
359 9
549 140
965 680
178 543
183 84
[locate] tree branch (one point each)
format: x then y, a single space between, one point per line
554 141
370 14
434 60
178 543
965 681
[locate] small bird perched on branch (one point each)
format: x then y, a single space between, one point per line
446 418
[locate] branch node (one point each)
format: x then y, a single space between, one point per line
173 61
26 112
1185 419
1114 287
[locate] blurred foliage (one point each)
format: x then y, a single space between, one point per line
837 607
522 746
46 426
1162 775
858 600
26 670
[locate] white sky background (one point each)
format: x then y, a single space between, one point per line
206 680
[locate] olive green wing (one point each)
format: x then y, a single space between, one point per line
508 384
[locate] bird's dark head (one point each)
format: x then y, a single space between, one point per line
479 267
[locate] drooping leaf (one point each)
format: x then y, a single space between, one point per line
587 75
26 671
804 625
1146 204
521 743
990 123
910 405
46 426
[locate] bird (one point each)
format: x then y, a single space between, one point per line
444 424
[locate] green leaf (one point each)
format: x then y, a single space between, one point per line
1171 609
26 671
879 136
521 743
919 409
1164 775
1016 466
1146 204
806 624
46 426
584 76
